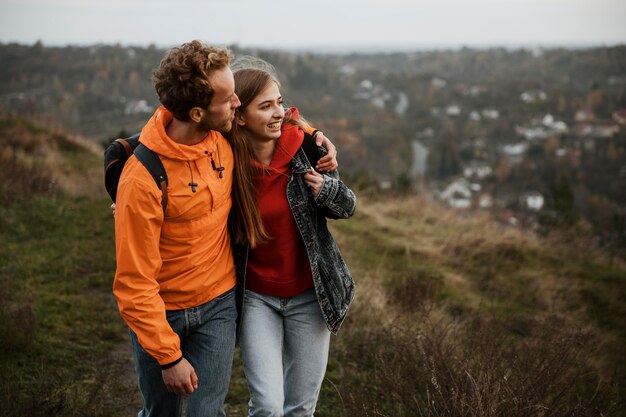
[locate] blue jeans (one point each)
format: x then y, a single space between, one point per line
207 336
284 346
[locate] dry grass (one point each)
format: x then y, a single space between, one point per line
454 315
457 316
477 368
38 159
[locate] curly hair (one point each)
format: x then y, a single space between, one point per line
182 80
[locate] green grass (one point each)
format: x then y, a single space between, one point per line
61 331
55 278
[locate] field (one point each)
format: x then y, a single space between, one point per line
454 315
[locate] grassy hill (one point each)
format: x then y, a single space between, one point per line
454 315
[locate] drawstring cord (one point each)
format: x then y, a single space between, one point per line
219 159
192 184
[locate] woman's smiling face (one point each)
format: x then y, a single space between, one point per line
263 117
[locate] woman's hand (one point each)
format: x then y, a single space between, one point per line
329 161
113 209
315 181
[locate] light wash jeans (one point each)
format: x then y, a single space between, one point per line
207 335
284 345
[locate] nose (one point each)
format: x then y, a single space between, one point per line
279 111
235 102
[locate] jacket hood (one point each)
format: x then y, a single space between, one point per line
155 137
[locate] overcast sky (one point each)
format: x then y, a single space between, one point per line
321 24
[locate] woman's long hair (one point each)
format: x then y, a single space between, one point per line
252 77
245 221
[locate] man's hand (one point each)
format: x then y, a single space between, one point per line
181 378
329 161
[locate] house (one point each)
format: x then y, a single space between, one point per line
427 133
532 133
366 85
556 126
584 116
137 107
532 200
515 152
347 70
516 149
380 100
470 90
474 115
364 91
438 82
533 96
453 110
477 169
620 117
457 194
490 114
485 201
583 129
376 94
605 130
475 187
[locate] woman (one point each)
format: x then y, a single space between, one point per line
296 287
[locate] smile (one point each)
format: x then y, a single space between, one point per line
274 125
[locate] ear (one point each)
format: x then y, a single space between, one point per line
196 114
239 119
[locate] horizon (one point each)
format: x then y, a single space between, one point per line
348 49
328 26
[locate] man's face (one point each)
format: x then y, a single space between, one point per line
221 112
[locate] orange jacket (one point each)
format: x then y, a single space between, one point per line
179 260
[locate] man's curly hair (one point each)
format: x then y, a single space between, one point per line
182 79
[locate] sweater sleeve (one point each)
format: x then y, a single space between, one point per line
138 221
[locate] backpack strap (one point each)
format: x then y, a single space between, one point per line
127 148
311 150
153 164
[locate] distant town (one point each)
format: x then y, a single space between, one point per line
535 136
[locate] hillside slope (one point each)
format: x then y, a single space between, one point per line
42 159
454 316
459 316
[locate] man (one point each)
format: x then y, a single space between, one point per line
175 274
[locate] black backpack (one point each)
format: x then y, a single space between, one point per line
311 150
115 157
118 152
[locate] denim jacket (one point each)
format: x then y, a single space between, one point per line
332 280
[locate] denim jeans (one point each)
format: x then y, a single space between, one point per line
284 346
207 336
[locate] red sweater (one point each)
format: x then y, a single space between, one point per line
281 266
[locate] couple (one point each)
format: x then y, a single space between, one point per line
221 135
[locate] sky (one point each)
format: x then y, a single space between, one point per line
319 25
